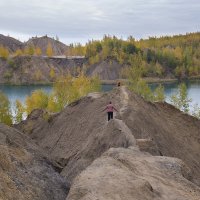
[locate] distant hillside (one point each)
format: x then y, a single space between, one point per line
110 58
35 69
58 48
170 56
42 42
10 43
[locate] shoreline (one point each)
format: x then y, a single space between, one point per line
150 80
25 84
112 82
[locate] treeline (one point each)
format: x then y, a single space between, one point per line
29 50
177 56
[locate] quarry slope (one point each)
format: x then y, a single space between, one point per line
25 172
58 47
36 70
11 43
80 134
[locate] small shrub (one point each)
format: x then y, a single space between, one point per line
5 115
180 100
8 75
12 64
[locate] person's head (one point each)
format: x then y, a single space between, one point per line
110 102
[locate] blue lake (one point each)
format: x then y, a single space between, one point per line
193 89
21 92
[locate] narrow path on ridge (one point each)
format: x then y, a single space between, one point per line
124 99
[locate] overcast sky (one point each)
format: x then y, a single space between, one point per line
80 20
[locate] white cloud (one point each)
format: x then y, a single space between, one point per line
73 20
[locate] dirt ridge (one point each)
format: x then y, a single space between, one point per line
80 135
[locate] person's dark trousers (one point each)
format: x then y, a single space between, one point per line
110 115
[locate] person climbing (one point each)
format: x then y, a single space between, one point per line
110 109
118 84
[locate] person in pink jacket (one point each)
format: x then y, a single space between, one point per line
110 109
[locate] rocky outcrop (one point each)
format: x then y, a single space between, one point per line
130 174
25 171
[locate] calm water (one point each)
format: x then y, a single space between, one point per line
193 89
21 92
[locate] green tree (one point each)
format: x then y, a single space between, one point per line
159 94
95 84
8 75
141 88
19 111
180 100
196 111
5 115
136 83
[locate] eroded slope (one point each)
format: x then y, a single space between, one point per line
25 173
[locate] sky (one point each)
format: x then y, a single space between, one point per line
82 20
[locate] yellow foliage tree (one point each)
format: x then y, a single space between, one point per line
38 99
5 116
49 50
52 73
68 89
38 51
81 86
52 104
178 53
19 110
25 52
63 91
38 75
18 52
4 53
30 50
